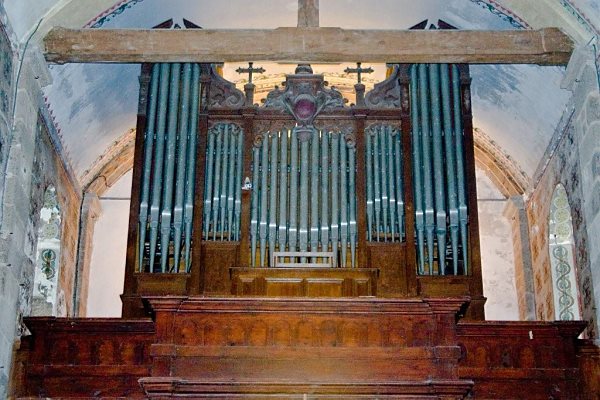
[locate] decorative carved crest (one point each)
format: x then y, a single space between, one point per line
222 93
305 97
386 94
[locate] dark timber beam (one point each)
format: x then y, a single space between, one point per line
548 46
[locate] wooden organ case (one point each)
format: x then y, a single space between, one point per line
304 249
304 195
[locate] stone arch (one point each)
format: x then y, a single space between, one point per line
561 245
46 295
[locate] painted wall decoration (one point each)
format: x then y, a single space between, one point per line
561 245
48 255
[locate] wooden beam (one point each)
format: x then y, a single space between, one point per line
548 46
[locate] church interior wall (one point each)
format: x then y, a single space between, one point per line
562 167
32 164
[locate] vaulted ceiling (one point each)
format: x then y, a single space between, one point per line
517 106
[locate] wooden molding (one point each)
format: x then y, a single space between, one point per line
548 46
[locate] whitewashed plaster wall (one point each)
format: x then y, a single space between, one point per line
107 271
497 258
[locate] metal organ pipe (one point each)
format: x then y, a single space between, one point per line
427 169
168 170
324 191
321 168
344 198
158 161
460 168
314 191
417 167
147 169
180 181
262 223
351 148
384 183
283 179
370 200
188 216
254 206
390 180
335 199
438 167
439 176
273 194
293 229
450 164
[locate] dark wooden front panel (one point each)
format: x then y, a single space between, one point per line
390 260
85 357
521 360
288 348
216 260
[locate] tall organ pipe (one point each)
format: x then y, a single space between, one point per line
283 188
369 161
262 224
148 148
460 168
231 180
314 192
208 195
427 173
384 180
304 167
450 164
324 190
293 230
181 166
238 185
335 199
158 160
167 208
217 180
191 165
225 177
399 183
273 194
376 182
438 165
352 201
343 201
418 167
254 206
391 177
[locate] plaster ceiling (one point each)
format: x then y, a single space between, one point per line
94 104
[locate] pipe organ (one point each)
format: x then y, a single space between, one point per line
384 188
223 183
439 169
304 195
166 205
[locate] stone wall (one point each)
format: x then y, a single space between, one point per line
572 161
29 162
582 80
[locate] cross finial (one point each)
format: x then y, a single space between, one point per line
359 71
308 13
250 70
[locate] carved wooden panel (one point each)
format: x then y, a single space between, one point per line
216 260
304 282
305 348
85 358
533 359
